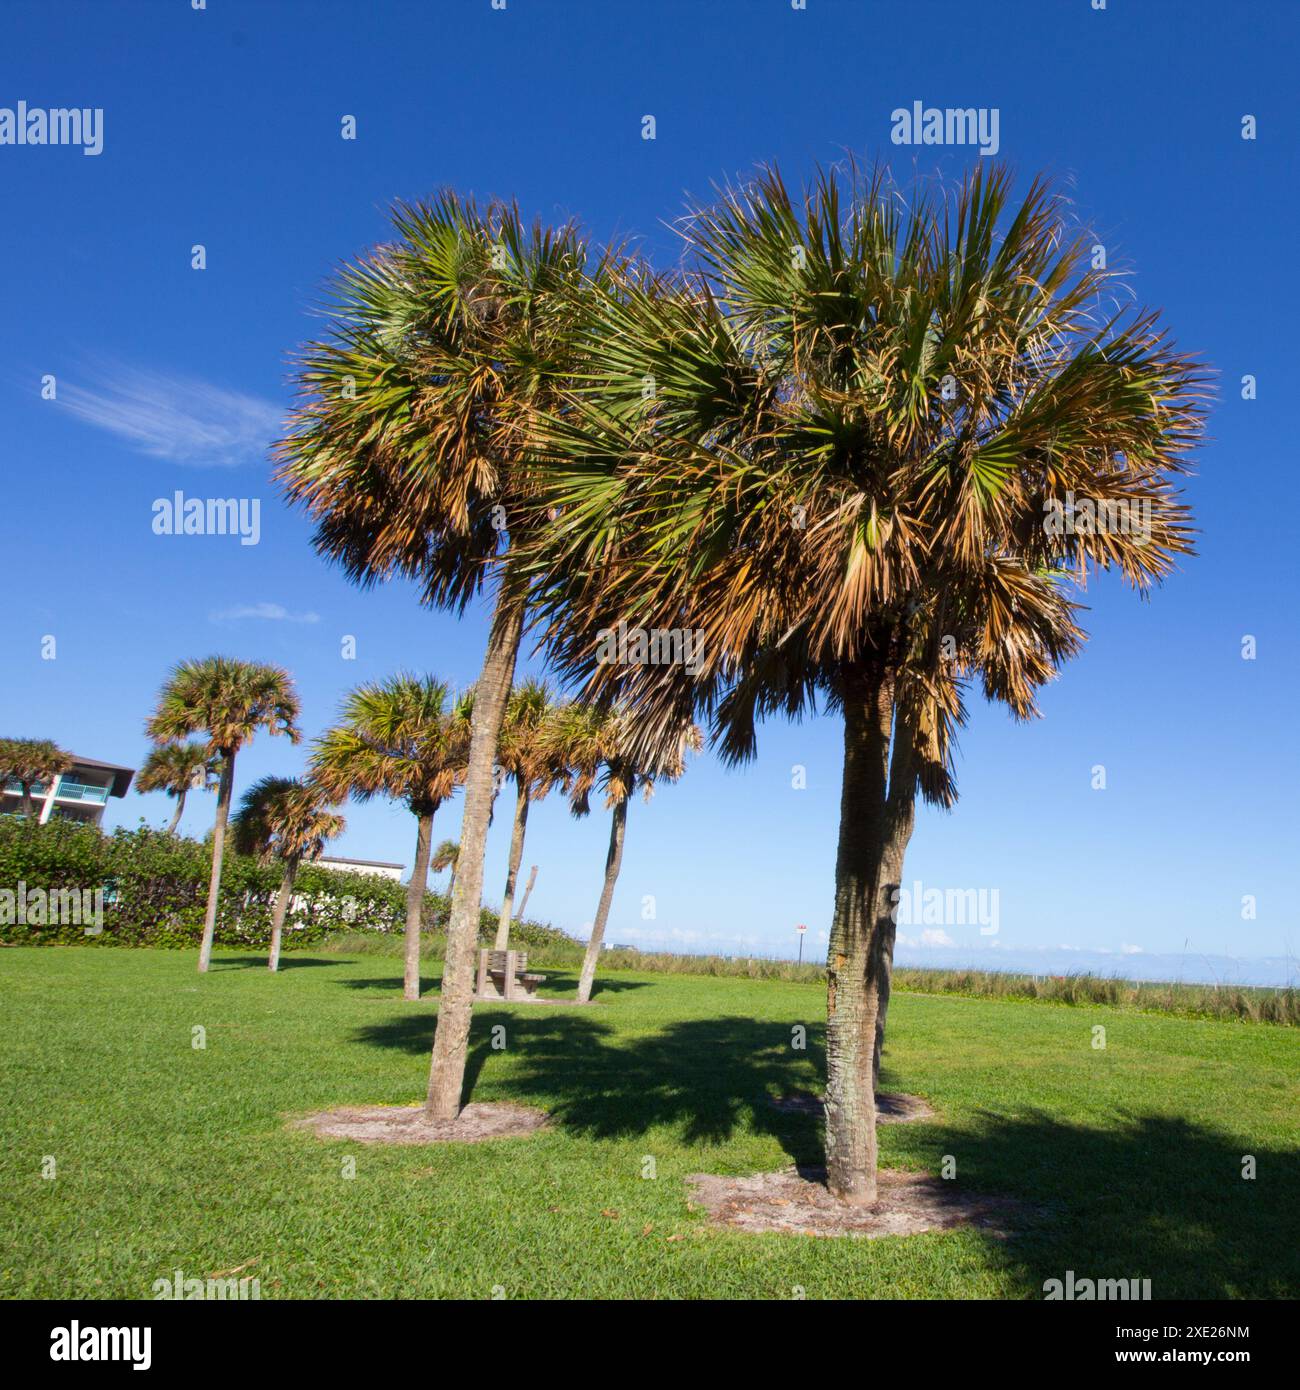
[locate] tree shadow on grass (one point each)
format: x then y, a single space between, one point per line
558 978
1136 1196
1146 1197
287 962
391 983
708 1077
555 980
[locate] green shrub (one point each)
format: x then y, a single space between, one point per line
155 892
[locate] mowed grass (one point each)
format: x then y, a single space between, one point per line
173 1157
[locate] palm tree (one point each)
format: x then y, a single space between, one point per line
870 417
285 819
404 738
604 751
412 450
229 701
444 857
31 761
177 768
531 758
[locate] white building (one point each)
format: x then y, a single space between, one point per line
79 794
381 868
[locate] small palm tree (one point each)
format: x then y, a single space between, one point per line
444 857
873 414
406 738
29 761
177 769
412 451
532 759
281 818
605 753
229 701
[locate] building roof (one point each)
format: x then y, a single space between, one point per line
369 863
121 775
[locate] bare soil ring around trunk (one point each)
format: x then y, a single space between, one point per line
408 1124
797 1202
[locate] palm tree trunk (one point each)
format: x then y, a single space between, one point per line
512 871
901 798
873 837
455 1004
613 862
27 800
218 851
415 891
176 815
282 900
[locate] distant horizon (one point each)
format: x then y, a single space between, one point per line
1283 972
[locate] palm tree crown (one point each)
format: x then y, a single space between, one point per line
861 418
410 445
405 737
226 699
526 750
176 768
286 819
603 750
31 760
444 856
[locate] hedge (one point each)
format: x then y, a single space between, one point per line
155 891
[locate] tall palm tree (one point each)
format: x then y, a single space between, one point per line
604 751
870 414
406 738
229 701
412 450
532 759
177 769
31 761
444 857
281 818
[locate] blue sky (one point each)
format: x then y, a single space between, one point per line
222 128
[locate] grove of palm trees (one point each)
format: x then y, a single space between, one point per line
647 661
824 446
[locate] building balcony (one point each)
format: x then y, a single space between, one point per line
67 791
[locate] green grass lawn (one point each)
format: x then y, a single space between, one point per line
171 1157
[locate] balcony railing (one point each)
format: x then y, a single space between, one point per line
15 788
81 791
68 791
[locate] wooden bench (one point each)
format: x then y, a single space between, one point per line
504 975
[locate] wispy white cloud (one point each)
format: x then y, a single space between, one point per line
266 612
1127 950
178 418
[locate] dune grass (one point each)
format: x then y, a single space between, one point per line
170 1156
546 947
